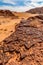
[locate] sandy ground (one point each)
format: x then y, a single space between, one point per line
7 27
24 15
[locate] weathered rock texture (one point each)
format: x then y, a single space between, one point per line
25 45
38 10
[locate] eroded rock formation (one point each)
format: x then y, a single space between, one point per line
25 45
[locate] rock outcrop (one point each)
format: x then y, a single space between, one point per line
25 45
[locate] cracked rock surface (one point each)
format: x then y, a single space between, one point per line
25 45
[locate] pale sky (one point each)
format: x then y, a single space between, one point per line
20 5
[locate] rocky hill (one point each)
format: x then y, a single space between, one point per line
25 45
38 10
7 13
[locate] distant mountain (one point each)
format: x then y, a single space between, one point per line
7 13
38 10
